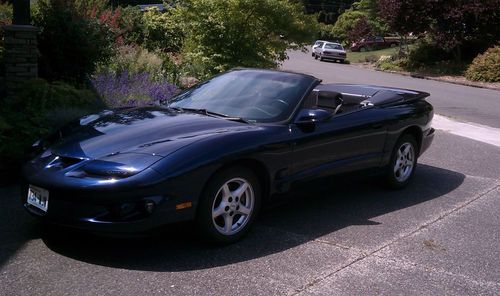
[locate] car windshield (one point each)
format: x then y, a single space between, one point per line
252 95
333 46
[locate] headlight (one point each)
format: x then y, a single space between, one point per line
119 165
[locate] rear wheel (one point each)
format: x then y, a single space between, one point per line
229 205
403 162
362 49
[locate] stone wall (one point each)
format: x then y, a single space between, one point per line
21 55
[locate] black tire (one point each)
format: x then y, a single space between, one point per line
320 58
362 49
312 54
398 178
212 229
315 56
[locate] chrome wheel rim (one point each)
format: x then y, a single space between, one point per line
233 206
405 161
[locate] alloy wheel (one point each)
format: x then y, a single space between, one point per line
233 206
405 161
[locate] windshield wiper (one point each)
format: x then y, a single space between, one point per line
211 113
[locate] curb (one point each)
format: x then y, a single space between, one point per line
420 76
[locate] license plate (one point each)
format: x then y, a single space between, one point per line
38 197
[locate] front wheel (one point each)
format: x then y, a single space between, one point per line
229 205
403 162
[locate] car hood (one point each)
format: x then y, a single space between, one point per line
152 130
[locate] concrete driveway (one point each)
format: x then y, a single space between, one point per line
337 236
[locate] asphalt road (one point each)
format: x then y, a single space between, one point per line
337 236
465 103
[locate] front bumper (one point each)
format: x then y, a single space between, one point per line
114 211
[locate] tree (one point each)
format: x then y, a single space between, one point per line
220 35
452 24
457 23
346 23
361 29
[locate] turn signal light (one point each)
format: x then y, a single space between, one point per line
183 205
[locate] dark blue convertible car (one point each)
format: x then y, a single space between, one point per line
218 151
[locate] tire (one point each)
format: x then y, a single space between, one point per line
362 49
221 203
313 54
320 58
403 162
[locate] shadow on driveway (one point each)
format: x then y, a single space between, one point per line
318 208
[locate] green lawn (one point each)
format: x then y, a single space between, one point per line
370 56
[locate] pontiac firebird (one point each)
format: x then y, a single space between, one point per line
217 152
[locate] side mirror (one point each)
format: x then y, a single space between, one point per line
311 116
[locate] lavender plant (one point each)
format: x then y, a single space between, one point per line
130 90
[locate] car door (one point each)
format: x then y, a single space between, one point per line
345 142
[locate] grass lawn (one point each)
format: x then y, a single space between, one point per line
370 56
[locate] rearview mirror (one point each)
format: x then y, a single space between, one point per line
311 116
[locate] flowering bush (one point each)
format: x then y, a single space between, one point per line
127 90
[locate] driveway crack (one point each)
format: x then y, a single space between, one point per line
418 229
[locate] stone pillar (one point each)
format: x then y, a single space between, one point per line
21 55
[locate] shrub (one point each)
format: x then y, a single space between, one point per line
426 52
221 35
37 108
126 89
486 66
132 25
161 31
5 19
70 44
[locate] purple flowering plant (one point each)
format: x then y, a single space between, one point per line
131 90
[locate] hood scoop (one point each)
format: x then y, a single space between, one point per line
62 162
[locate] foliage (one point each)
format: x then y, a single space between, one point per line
453 24
360 30
124 89
161 31
37 108
465 21
486 66
426 52
328 11
132 25
359 21
325 32
388 63
251 33
5 19
70 44
346 22
5 13
134 60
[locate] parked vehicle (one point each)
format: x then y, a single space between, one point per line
374 43
330 51
318 43
218 151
